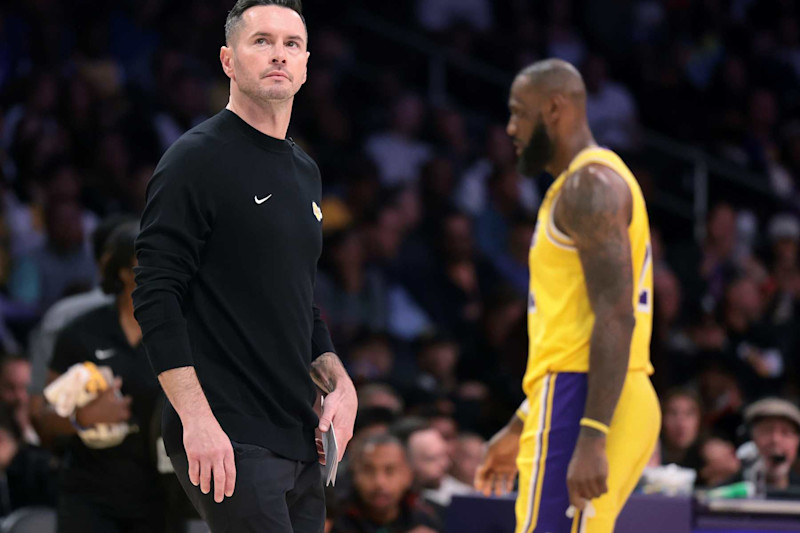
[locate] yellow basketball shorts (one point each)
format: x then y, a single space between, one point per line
548 440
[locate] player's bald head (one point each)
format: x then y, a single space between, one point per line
553 76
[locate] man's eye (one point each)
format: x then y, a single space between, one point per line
261 41
292 43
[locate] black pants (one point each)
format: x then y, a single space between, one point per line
272 495
78 514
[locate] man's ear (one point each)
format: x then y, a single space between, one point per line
554 108
305 72
226 59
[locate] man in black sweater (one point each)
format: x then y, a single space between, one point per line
227 259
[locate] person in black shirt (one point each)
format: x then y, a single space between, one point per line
111 489
228 251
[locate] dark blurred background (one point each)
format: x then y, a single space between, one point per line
423 279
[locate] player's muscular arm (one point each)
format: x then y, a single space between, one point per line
341 403
208 449
594 210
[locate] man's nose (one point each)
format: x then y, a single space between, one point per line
279 53
511 128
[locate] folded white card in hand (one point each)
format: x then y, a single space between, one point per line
331 450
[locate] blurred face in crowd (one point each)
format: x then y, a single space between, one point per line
534 146
469 451
722 228
440 359
448 429
668 294
379 396
385 236
407 115
719 462
777 440
785 251
381 476
681 422
457 235
65 225
266 58
427 451
371 360
498 148
744 297
15 378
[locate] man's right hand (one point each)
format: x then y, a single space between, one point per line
110 407
498 469
210 455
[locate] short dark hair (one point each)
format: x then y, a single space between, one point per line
120 253
104 230
235 14
380 439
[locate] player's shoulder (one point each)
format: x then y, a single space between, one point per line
594 186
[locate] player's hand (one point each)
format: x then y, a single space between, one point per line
110 407
498 469
339 409
210 455
587 474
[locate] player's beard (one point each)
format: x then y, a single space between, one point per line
537 153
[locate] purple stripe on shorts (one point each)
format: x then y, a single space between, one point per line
569 401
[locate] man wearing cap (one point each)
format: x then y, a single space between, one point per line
775 429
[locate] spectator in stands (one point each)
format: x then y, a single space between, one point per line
775 429
470 448
450 291
15 379
351 296
681 419
784 235
512 264
754 351
397 152
379 395
437 359
705 271
61 266
492 226
610 108
370 358
383 500
43 338
28 474
116 487
471 194
719 463
447 427
430 463
722 396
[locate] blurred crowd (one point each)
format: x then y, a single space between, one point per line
424 275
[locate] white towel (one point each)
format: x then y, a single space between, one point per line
69 392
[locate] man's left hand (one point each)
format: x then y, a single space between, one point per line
339 409
587 474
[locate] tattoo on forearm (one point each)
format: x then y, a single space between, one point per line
595 210
324 371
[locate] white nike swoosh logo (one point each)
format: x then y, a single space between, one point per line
259 202
104 354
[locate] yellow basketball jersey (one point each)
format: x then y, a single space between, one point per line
560 317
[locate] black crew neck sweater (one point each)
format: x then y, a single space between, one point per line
227 253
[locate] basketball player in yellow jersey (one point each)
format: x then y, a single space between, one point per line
591 418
